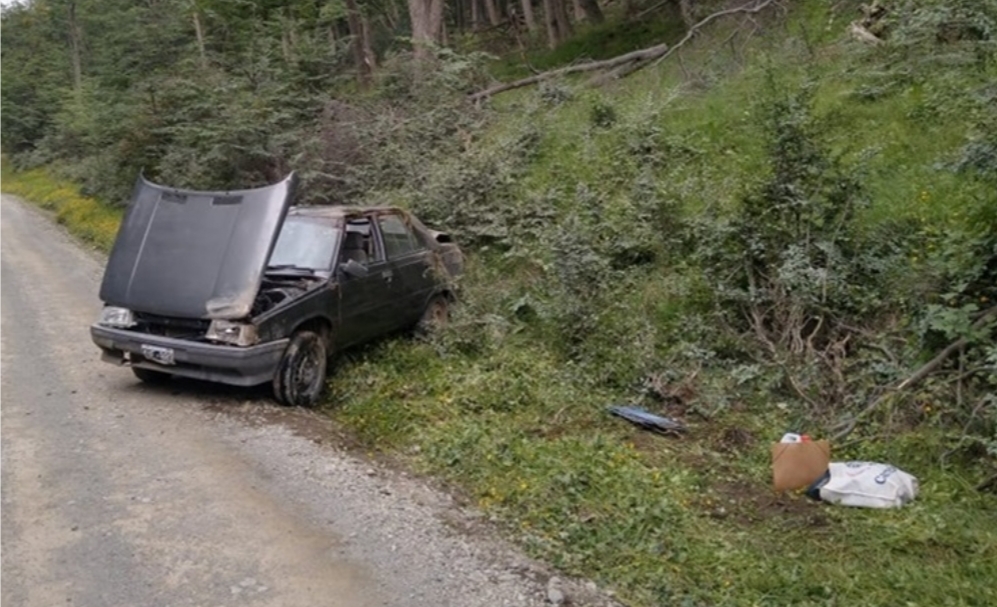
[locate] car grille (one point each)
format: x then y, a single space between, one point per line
181 328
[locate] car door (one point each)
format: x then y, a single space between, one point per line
407 256
364 300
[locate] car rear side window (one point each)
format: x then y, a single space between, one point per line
397 235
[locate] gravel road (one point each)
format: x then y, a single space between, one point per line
120 494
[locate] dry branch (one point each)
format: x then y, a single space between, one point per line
749 8
919 375
640 55
862 34
621 65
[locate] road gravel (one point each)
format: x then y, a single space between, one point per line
116 493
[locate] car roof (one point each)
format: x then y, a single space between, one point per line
340 211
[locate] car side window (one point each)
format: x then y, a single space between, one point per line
359 244
397 236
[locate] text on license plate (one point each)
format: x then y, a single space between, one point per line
156 354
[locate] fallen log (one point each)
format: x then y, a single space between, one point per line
626 70
639 55
621 65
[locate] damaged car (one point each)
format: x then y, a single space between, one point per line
241 288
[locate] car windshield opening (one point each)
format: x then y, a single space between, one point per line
305 243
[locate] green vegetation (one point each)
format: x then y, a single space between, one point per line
763 236
89 219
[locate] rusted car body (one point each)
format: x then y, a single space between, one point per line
241 288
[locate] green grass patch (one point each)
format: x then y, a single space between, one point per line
87 218
664 521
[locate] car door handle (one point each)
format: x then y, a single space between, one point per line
387 275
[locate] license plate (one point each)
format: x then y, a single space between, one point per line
156 354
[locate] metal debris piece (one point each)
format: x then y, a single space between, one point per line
647 420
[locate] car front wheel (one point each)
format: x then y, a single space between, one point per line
435 316
300 376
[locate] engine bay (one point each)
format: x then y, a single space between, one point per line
278 291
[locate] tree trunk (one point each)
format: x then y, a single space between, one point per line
564 29
427 19
358 44
531 20
368 51
436 19
475 15
685 9
576 5
199 32
550 21
75 44
493 13
592 11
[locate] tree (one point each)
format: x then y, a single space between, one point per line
556 19
427 21
362 55
592 11
195 13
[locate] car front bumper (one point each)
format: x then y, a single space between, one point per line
224 364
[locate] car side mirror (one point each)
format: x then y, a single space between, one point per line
354 268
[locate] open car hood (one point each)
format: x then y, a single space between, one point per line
193 254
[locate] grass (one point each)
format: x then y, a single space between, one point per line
498 408
664 521
661 518
89 219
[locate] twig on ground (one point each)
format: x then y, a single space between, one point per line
862 34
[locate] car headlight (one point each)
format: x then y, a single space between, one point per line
235 333
113 316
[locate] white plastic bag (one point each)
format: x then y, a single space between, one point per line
866 484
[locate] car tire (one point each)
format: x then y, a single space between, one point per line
299 380
149 376
435 316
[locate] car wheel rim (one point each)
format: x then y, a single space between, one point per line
307 372
439 314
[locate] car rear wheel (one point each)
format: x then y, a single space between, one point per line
300 377
149 376
435 316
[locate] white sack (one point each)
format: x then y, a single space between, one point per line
867 484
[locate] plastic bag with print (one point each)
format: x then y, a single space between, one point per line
864 484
